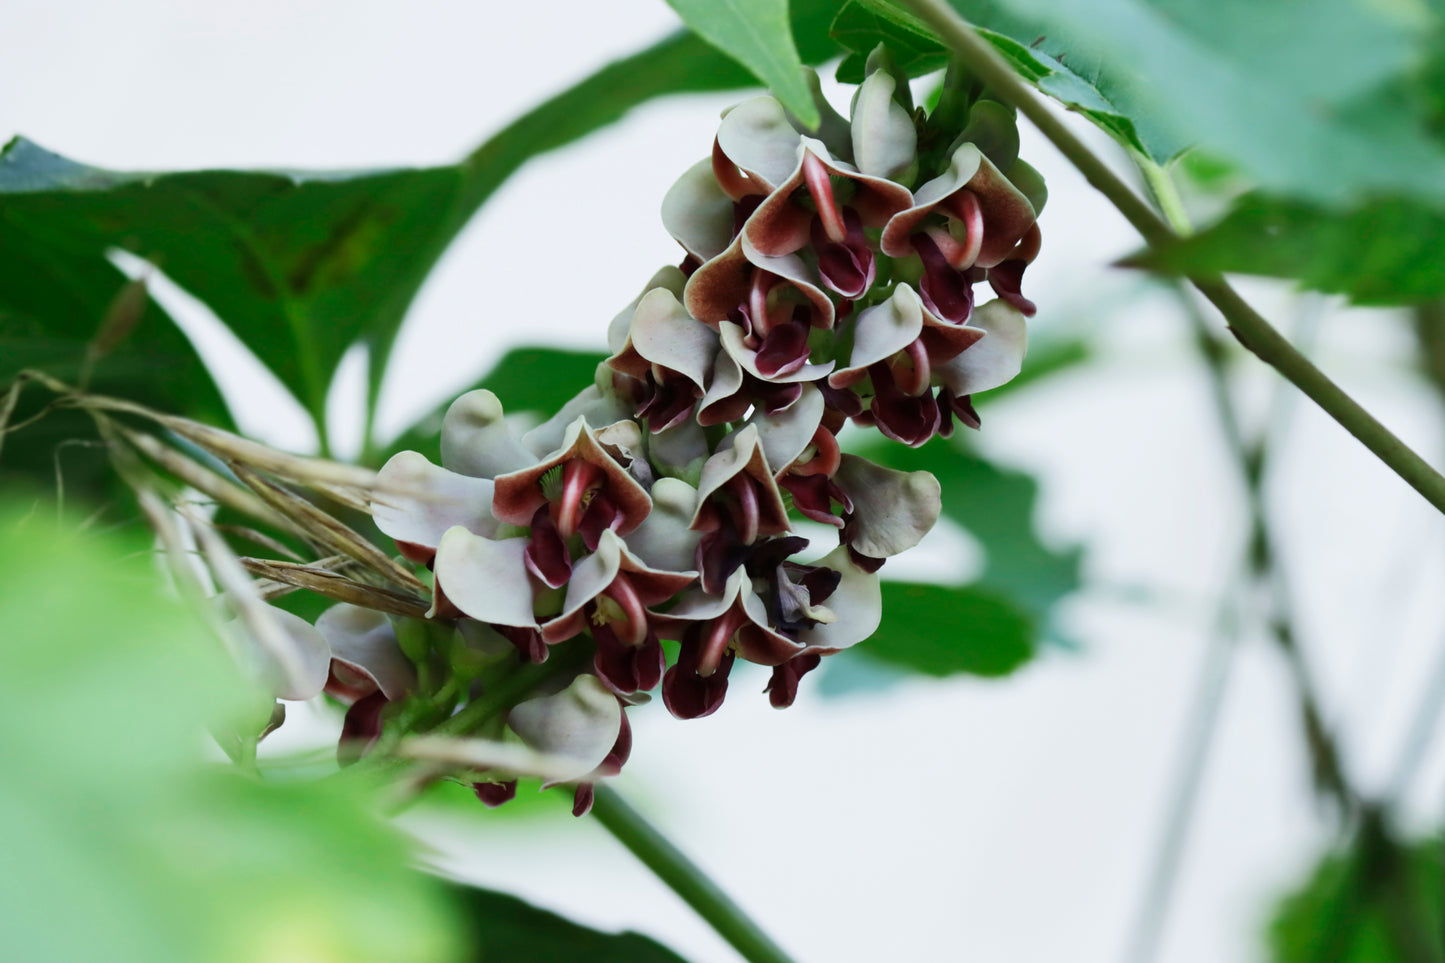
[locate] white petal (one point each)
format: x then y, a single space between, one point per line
757 137
665 334
290 652
885 329
579 724
786 434
665 539
476 439
892 510
364 639
417 501
884 139
590 403
698 213
857 604
669 278
995 358
486 579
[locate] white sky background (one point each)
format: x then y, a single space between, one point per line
1009 820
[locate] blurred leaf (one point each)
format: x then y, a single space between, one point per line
1290 91
990 627
121 844
996 506
508 930
526 378
940 630
756 34
1385 251
1378 901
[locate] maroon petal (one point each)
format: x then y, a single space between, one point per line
688 695
528 642
582 799
907 419
784 350
783 686
493 794
1007 279
813 495
546 554
848 267
946 290
624 668
361 727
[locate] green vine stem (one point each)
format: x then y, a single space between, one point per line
632 830
1253 331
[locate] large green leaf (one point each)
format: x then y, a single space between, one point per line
121 842
508 930
300 265
1303 96
1081 85
756 33
1384 251
941 630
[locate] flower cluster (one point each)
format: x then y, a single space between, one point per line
818 286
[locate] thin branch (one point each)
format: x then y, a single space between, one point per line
1253 331
684 877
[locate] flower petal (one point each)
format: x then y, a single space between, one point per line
580 724
881 332
756 136
476 439
598 407
994 359
665 539
293 656
698 213
486 578
884 139
365 642
857 603
892 510
786 433
416 501
663 333
735 344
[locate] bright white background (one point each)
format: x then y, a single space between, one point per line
1009 820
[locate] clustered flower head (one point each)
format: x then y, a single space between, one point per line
828 277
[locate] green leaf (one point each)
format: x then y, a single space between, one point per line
509 930
990 627
1375 901
757 34
121 842
299 266
1383 251
1295 93
996 505
941 630
1084 84
861 28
